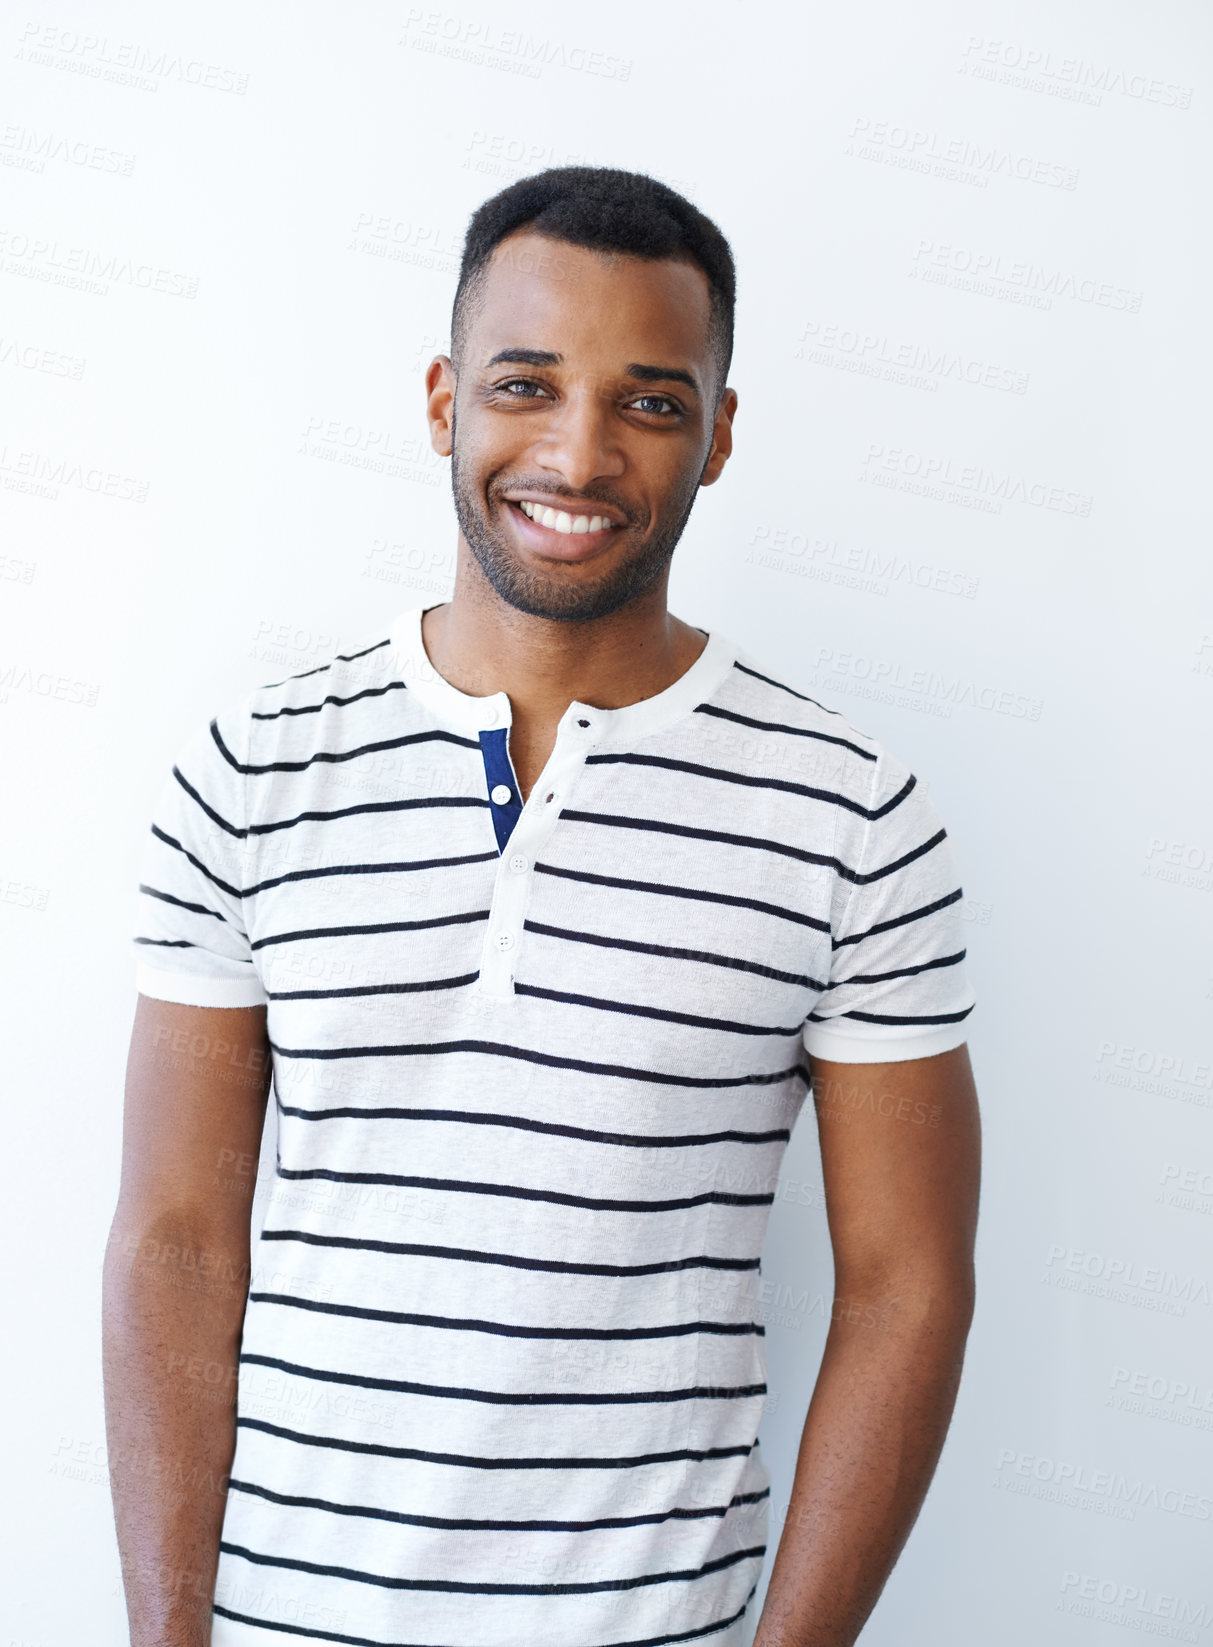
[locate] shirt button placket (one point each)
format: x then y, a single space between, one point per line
575 738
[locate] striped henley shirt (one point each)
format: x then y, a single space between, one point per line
534 1070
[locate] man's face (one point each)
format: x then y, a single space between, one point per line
585 399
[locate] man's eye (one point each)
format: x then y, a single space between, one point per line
521 388
661 405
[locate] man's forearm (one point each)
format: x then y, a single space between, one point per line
872 1438
172 1313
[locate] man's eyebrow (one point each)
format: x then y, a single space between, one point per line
662 374
526 357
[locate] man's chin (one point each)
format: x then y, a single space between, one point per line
561 593
556 597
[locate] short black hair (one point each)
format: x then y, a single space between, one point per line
609 211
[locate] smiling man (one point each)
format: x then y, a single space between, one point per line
548 910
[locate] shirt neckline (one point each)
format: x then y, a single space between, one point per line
476 714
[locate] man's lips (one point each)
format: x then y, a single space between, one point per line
562 529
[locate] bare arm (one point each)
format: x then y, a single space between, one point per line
175 1284
900 1147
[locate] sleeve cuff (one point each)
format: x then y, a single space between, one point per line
879 1045
191 989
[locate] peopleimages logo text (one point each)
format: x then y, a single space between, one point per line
942 259
1076 72
1127 1272
983 158
1140 1598
1146 1061
535 51
894 675
1074 1476
941 471
93 52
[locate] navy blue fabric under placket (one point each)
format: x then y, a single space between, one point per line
499 769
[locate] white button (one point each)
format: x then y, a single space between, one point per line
491 717
502 793
518 864
505 940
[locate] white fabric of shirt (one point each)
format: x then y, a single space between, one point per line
503 1360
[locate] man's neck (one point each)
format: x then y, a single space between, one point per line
483 645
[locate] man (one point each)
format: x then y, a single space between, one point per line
547 907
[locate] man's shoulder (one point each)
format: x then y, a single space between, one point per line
788 722
293 713
364 666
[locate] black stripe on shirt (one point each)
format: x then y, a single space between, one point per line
786 785
372 928
314 708
468 1524
782 687
499 1049
917 1018
694 1020
560 1129
509 1398
342 657
521 1192
514 1261
215 817
590 1587
637 946
422 988
916 852
899 920
435 735
365 808
906 971
171 840
664 890
372 869
506 1329
468 1461
777 726
182 903
663 826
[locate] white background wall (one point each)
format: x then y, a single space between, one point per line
968 507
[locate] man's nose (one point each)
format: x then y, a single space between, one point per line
580 440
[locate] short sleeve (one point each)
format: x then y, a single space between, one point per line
190 941
897 987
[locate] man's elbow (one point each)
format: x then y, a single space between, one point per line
177 1246
940 1302
922 1296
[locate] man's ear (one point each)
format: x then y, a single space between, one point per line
440 404
722 438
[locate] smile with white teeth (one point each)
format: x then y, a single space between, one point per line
559 521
